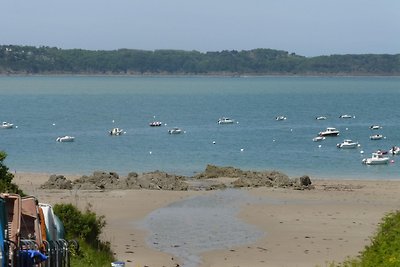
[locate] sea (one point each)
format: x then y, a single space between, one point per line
43 108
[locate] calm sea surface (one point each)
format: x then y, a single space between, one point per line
44 108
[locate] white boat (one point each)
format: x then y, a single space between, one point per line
330 131
280 118
116 131
225 120
6 125
175 130
395 150
346 116
318 138
376 159
320 118
376 137
65 138
155 124
375 127
347 143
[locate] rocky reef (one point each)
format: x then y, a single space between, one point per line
213 177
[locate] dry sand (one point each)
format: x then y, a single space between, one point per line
305 228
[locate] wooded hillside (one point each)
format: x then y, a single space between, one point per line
52 60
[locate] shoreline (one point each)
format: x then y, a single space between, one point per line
311 227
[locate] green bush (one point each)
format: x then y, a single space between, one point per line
384 250
6 185
85 227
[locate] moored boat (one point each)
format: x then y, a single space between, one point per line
225 120
116 131
6 125
319 118
346 116
375 127
318 138
175 130
376 159
65 138
330 131
155 124
347 143
280 118
395 150
376 137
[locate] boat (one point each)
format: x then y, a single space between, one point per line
376 137
347 143
375 127
155 124
6 125
280 118
318 138
376 159
319 118
65 138
175 130
330 131
395 150
225 120
116 131
346 116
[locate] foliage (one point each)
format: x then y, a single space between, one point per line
384 248
6 185
85 227
52 60
89 256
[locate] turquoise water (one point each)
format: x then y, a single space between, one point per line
88 107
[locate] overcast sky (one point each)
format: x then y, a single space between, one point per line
305 27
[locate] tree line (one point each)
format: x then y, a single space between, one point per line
51 60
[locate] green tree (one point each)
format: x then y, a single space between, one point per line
6 185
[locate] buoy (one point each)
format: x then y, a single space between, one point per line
319 145
291 130
362 152
112 121
347 129
16 127
54 124
214 142
241 150
392 161
273 140
150 152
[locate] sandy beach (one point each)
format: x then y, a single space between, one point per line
302 228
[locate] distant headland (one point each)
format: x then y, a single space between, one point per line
44 60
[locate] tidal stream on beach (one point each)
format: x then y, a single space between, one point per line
199 224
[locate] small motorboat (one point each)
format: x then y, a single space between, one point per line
318 138
346 116
347 143
155 124
280 118
225 120
116 131
6 125
376 159
175 130
320 118
376 137
65 138
395 150
375 127
330 131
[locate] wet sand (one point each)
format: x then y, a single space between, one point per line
302 228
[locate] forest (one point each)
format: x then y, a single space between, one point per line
51 60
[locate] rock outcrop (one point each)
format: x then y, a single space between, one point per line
213 178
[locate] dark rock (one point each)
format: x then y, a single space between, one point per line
57 182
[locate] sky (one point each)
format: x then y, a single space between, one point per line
305 27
